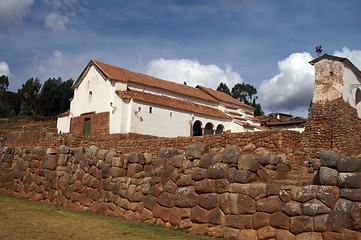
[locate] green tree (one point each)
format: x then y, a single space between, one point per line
245 93
4 83
222 87
29 93
54 96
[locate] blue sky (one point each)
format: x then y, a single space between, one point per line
264 43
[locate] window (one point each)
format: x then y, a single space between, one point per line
170 114
150 109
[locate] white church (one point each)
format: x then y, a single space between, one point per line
109 99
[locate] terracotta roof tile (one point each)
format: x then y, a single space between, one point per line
172 103
223 97
125 75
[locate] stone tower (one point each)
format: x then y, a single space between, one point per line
334 119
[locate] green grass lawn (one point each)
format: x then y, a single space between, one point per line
23 219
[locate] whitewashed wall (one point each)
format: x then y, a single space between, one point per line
63 124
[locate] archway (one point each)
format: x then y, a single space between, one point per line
220 129
197 128
208 129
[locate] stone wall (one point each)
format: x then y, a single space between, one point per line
221 191
99 123
332 125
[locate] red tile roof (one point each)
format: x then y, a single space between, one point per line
224 97
172 103
120 74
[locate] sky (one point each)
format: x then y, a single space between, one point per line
267 44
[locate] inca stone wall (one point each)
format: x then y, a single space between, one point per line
221 191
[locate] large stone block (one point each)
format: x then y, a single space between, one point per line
185 180
248 234
133 169
285 235
315 207
195 151
267 232
234 221
270 204
207 160
328 195
309 236
249 162
280 220
230 155
320 223
101 154
329 158
117 172
168 153
185 197
349 164
63 149
340 215
355 214
260 219
301 224
149 201
198 173
216 216
199 215
136 158
166 200
292 208
349 180
245 176
269 159
209 201
205 186
218 171
257 190
351 194
328 176
331 236
307 193
49 162
245 204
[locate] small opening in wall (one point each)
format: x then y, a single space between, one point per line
170 114
150 109
331 73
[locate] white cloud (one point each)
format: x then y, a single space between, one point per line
4 69
193 73
291 89
12 12
57 65
353 55
56 22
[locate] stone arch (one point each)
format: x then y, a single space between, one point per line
197 128
208 129
220 129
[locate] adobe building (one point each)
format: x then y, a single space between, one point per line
334 118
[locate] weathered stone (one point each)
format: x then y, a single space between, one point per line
117 172
292 208
175 214
331 236
301 224
166 174
234 221
185 180
349 164
355 215
206 160
168 153
136 158
101 154
351 194
91 151
309 236
285 195
328 195
109 157
320 223
49 162
38 150
350 234
267 175
208 201
282 170
339 216
149 201
280 220
270 204
225 203
284 235
221 185
185 223
248 162
266 232
232 174
307 193
170 187
230 155
198 173
205 186
195 151
258 190
216 216
117 162
269 159
349 180
185 197
245 176
218 171
199 215
260 219
315 207
329 158
245 204
231 233
133 169
161 212
166 200
177 161
328 176
248 234
273 189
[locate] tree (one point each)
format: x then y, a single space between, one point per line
4 83
223 88
29 93
54 96
245 93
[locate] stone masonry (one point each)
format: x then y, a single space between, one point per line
221 191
